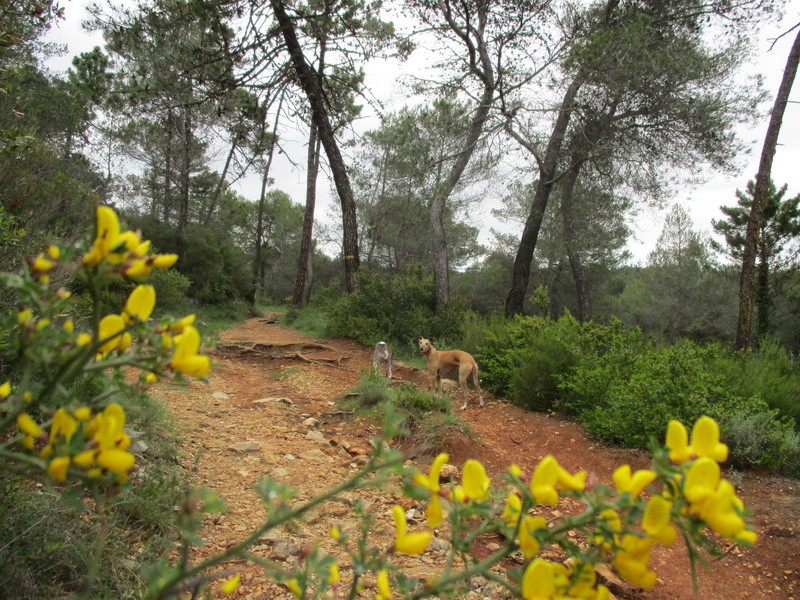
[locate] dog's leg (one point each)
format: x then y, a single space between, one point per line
463 374
477 383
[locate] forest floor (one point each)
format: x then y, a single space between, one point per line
272 407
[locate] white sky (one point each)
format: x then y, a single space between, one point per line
702 201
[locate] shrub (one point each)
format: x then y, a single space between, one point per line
395 309
427 419
759 437
768 373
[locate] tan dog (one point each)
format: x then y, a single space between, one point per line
444 363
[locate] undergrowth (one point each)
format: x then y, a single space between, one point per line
427 419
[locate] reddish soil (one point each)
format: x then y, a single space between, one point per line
263 415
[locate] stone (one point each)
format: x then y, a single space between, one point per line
311 422
286 401
219 395
139 447
245 447
448 472
315 435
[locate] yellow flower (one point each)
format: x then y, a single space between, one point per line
430 481
632 561
474 481
705 440
543 482
434 511
678 442
527 543
84 413
69 326
294 587
85 459
185 358
42 324
408 543
231 585
140 303
53 252
657 520
179 326
63 426
611 519
382 582
41 264
28 426
116 461
138 268
633 485
111 329
568 481
5 390
539 580
164 261
335 533
83 339
702 480
25 317
512 509
515 471
106 238
333 574
151 378
58 468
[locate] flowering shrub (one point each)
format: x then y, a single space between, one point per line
58 422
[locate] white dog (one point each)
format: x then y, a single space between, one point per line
382 353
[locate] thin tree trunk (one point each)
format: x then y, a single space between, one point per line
312 87
304 264
257 258
168 167
568 219
441 260
747 280
212 203
547 176
185 173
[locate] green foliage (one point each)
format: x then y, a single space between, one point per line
311 320
171 289
426 418
758 437
768 373
217 269
395 309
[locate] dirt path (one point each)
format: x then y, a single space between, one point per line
262 415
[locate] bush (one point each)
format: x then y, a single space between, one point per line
758 437
768 373
428 419
395 309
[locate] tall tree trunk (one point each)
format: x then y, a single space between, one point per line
441 260
568 219
547 177
304 264
186 170
168 167
258 266
763 297
312 87
747 280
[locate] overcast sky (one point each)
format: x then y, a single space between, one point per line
702 201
